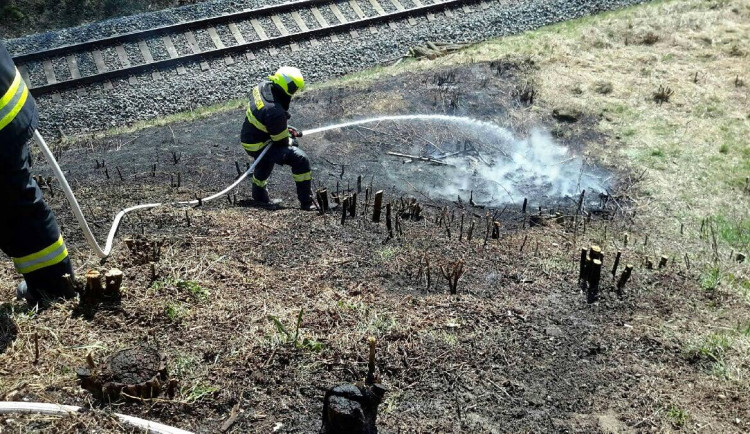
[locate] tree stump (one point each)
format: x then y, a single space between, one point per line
377 206
113 281
594 276
663 261
582 272
495 230
353 205
617 264
350 409
138 372
322 196
624 278
93 284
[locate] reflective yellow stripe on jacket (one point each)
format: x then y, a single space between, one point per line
13 100
253 147
50 255
256 123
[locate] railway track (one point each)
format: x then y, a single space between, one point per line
228 37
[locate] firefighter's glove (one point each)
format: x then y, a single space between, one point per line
293 142
295 133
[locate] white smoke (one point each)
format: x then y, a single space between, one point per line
534 167
483 158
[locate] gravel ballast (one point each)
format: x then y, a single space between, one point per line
93 110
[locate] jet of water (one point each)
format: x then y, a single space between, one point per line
533 167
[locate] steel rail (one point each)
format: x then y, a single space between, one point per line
274 41
140 35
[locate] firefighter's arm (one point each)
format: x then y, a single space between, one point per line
278 129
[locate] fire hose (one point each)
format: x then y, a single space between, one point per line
103 253
62 410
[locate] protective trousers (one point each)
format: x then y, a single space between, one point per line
28 231
283 156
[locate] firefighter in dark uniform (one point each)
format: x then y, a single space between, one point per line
28 230
266 125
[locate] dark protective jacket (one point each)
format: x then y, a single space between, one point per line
18 115
266 117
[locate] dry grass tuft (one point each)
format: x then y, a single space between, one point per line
663 94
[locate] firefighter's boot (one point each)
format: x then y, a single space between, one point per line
305 195
260 194
47 284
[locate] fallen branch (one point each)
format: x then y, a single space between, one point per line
418 158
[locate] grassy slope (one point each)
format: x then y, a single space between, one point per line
694 147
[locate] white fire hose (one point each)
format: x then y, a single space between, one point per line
63 410
103 253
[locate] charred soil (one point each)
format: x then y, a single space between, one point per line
259 312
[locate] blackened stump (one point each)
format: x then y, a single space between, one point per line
138 372
350 409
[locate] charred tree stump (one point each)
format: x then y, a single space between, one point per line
617 264
582 272
740 257
359 184
594 276
138 372
624 279
525 202
322 195
663 261
353 205
350 409
344 209
649 263
461 229
113 281
496 230
595 252
388 223
377 206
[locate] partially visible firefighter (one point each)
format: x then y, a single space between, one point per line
28 231
266 125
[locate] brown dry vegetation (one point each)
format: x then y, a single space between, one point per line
518 349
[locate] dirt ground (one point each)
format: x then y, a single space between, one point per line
259 311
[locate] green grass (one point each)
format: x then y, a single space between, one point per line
184 365
286 337
191 287
197 392
714 348
677 416
657 153
176 312
735 233
710 278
